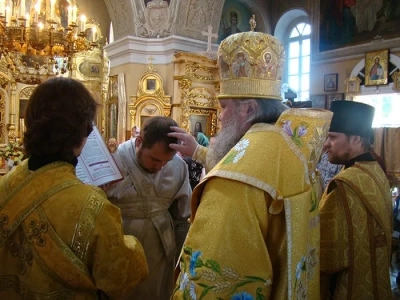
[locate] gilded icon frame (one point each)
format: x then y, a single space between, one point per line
376 67
396 80
353 85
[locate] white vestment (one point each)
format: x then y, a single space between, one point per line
150 205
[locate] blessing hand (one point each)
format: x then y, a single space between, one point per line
188 143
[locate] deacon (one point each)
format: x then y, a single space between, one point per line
154 199
356 219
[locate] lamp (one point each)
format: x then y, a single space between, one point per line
31 43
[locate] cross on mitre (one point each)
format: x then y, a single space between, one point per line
209 35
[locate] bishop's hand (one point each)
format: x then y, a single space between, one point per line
188 143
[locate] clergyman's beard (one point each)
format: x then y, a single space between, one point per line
228 137
339 160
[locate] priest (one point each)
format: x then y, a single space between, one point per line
356 211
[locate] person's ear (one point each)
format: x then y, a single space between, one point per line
355 139
138 141
251 108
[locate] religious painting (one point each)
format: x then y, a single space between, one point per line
62 12
94 69
330 82
241 67
353 85
150 84
33 61
318 101
235 18
199 123
333 97
376 67
342 25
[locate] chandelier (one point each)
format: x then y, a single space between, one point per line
34 42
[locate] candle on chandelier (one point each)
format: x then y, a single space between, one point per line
69 15
52 5
37 11
74 10
22 8
83 23
8 15
94 34
3 7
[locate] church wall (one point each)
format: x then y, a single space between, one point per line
278 8
341 66
134 72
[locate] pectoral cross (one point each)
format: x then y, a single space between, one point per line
209 35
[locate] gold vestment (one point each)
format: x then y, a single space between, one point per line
253 233
61 239
356 231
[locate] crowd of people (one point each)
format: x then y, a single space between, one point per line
246 216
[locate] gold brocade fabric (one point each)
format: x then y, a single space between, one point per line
253 233
61 239
356 230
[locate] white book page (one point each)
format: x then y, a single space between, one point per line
95 164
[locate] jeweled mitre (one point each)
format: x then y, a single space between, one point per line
251 66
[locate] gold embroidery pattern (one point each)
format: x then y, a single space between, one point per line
112 240
85 225
3 229
12 283
36 202
24 253
65 250
35 232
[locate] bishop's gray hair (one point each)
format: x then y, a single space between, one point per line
268 111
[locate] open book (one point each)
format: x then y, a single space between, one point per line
96 165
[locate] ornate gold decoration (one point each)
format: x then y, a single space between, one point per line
396 80
184 83
217 87
193 70
201 96
251 66
197 83
199 101
252 23
352 85
150 99
36 46
2 117
26 92
182 55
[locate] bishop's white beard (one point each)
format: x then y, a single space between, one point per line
228 137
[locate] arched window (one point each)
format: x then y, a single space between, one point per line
298 50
